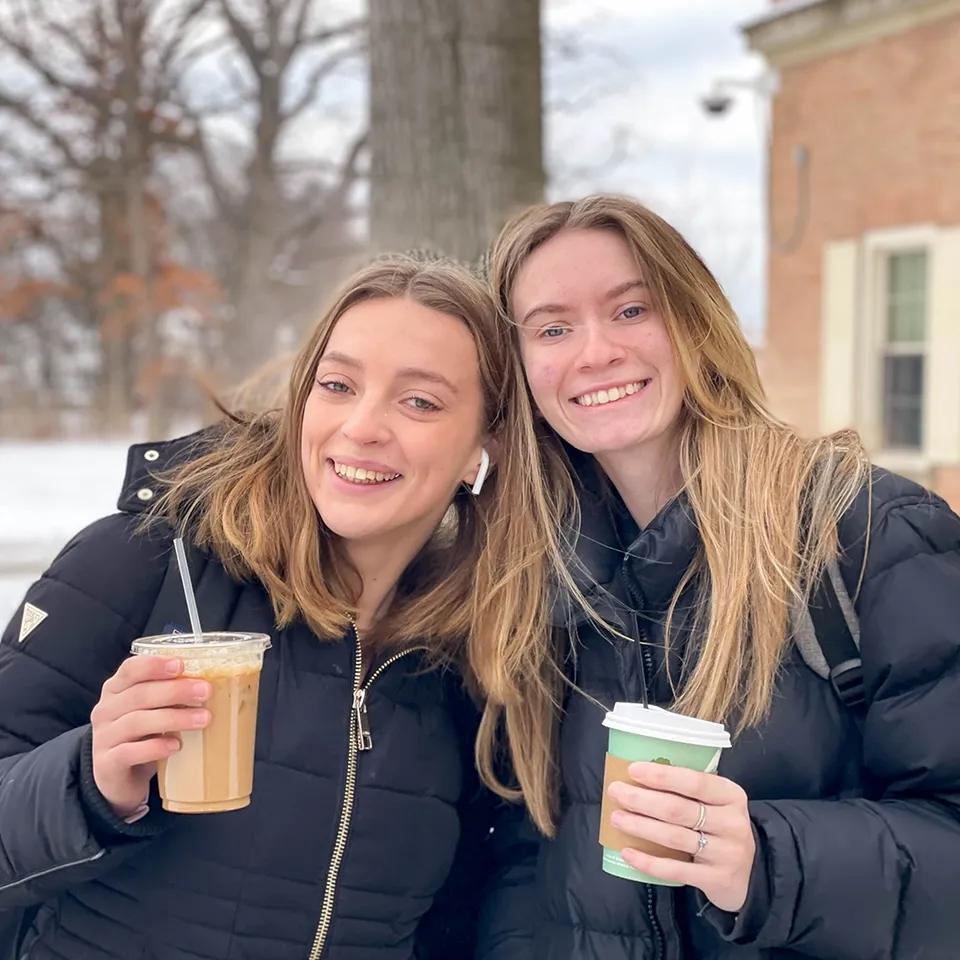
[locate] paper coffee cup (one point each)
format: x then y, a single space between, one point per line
653 735
212 772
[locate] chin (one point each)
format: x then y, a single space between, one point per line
347 528
594 445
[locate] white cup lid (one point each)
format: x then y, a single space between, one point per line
666 725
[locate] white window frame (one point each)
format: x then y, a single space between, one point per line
878 246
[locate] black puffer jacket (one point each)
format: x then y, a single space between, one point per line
858 854
252 884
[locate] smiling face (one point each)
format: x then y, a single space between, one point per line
596 351
393 423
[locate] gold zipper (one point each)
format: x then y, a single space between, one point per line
360 740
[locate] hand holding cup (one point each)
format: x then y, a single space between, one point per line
701 814
142 708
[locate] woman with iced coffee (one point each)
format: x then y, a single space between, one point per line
721 548
387 525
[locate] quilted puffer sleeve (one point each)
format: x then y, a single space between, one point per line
879 878
71 633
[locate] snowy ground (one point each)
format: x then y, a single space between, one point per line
48 492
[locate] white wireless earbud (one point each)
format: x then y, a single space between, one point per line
482 472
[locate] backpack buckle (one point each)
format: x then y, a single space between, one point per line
847 681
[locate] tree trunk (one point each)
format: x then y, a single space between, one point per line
456 122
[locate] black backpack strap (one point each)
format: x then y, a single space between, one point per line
838 645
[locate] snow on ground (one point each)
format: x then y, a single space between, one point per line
48 492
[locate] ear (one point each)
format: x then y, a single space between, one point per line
479 472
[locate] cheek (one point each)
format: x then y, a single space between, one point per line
543 376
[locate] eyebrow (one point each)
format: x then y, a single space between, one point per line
404 373
617 291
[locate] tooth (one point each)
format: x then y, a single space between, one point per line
351 473
585 401
631 389
603 396
362 474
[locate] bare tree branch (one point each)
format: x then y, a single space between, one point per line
240 32
31 59
333 198
320 72
299 26
179 34
24 112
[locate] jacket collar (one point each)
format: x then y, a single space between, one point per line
612 552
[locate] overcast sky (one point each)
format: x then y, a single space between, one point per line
649 62
623 85
632 121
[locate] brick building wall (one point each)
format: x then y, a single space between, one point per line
877 108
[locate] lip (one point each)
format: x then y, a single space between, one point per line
611 386
374 465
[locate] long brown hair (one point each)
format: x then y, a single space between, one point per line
767 502
480 592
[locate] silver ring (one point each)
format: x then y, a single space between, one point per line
701 844
698 826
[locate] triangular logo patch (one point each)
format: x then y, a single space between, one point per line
32 618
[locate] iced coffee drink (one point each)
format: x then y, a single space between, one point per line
213 769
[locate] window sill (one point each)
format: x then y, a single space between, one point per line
914 464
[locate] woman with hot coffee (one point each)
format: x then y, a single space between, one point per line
722 550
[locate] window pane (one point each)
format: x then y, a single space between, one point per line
907 297
903 402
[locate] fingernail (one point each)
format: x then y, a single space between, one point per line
173 667
200 690
200 718
617 818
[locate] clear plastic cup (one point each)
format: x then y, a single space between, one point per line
213 769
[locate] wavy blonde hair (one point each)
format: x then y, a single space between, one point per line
767 502
479 595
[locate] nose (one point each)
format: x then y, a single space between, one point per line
599 347
366 423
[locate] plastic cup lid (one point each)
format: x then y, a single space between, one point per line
210 641
666 725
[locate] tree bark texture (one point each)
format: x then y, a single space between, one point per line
456 129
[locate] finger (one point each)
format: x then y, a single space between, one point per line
672 808
669 807
665 834
153 694
135 670
150 695
152 723
126 756
708 788
695 874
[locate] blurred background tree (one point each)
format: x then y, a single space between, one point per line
183 181
456 128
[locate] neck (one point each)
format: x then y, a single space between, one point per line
379 567
646 476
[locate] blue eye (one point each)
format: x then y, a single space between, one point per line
333 386
422 405
632 313
551 333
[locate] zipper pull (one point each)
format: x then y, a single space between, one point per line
364 740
